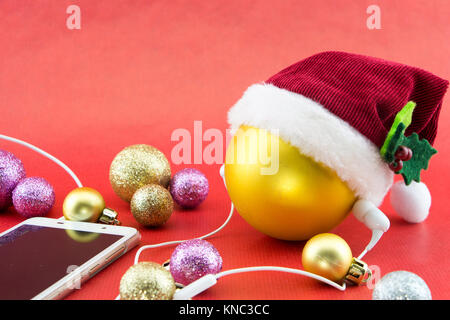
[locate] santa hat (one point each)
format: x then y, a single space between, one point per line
338 108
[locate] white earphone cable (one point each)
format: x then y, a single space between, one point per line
281 269
362 254
150 246
45 154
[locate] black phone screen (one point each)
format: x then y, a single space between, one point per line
32 258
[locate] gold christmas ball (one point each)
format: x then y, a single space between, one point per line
83 204
152 205
290 198
147 281
136 166
327 255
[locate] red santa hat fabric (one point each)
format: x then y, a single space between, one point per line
338 107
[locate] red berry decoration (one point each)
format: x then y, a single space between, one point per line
396 166
403 153
410 154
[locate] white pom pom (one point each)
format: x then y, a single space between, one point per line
411 202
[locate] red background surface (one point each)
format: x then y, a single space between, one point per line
137 70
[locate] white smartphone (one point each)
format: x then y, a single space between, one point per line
43 258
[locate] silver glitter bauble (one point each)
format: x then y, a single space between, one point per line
401 285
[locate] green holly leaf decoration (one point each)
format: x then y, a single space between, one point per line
422 151
402 120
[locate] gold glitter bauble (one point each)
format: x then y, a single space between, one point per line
147 281
83 204
152 205
136 166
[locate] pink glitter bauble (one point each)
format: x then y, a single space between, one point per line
11 172
189 187
194 259
33 197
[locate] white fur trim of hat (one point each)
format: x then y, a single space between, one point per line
317 133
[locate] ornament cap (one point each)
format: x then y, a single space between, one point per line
109 216
358 272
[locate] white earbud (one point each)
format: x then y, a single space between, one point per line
366 212
196 287
373 218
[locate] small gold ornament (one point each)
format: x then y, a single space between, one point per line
147 281
152 205
329 256
301 199
136 166
87 204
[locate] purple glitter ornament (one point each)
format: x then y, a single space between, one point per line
189 187
33 197
11 172
193 259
